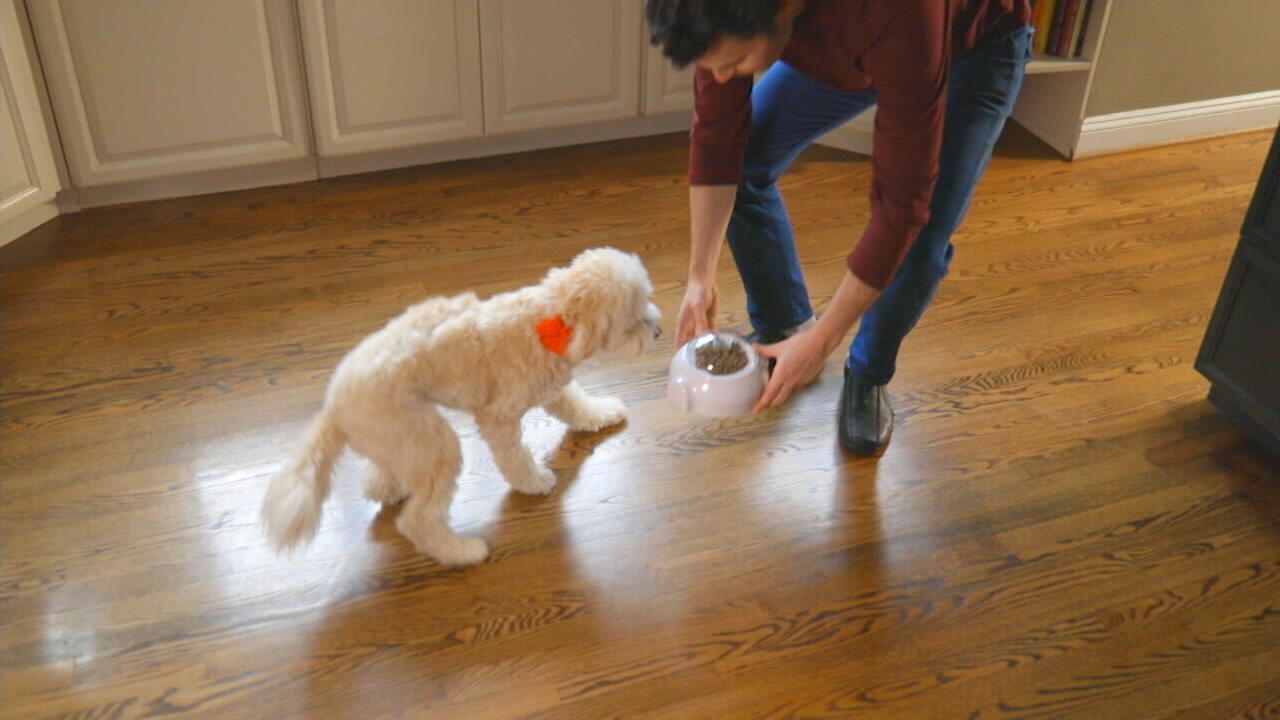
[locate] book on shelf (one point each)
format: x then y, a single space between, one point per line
1066 32
1043 23
1080 28
1055 29
1060 26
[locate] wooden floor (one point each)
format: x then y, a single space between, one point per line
1063 527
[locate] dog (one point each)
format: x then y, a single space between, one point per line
494 358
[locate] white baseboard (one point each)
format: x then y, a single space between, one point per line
1175 123
502 144
1119 131
14 228
200 183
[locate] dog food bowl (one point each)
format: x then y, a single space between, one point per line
717 374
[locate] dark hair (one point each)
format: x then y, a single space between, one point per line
687 28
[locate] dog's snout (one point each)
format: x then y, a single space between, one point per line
653 316
654 328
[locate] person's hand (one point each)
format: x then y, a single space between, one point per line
697 311
800 357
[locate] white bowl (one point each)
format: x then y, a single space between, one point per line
699 391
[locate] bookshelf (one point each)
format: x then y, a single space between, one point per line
1051 104
1041 64
1056 90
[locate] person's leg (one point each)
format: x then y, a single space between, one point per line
982 89
789 111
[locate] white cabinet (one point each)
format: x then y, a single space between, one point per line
28 175
665 88
387 74
145 89
551 63
164 98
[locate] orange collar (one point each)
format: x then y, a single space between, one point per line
555 334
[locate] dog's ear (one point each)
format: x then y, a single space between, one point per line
582 302
594 295
590 327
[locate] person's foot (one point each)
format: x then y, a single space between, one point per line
765 337
866 418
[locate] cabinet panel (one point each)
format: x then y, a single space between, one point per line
19 177
387 74
559 62
150 89
1241 350
1262 224
666 89
28 174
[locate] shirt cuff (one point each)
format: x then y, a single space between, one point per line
715 164
878 255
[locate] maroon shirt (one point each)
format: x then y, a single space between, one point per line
901 48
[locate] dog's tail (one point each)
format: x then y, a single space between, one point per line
291 509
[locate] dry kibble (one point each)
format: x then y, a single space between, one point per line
720 358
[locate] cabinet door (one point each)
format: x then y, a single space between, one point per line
388 74
1241 350
552 63
665 88
28 176
145 89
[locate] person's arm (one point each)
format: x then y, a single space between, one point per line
802 356
909 65
853 297
717 144
709 209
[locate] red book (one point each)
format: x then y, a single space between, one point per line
1070 14
1055 33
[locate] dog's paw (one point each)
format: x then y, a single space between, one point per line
539 482
461 551
440 542
603 413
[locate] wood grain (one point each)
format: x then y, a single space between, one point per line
1062 527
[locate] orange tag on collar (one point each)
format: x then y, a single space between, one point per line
555 334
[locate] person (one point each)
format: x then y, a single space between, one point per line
943 76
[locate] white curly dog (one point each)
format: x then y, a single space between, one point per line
496 359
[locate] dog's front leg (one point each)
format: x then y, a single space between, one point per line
519 468
580 411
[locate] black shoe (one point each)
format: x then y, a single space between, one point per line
866 418
765 337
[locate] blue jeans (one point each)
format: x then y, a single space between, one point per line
789 111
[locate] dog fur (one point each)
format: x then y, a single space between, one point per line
484 357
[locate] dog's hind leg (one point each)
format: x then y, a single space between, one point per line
518 467
419 450
425 521
580 411
382 486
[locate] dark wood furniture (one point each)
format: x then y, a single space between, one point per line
1241 350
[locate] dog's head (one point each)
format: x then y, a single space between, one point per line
604 295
